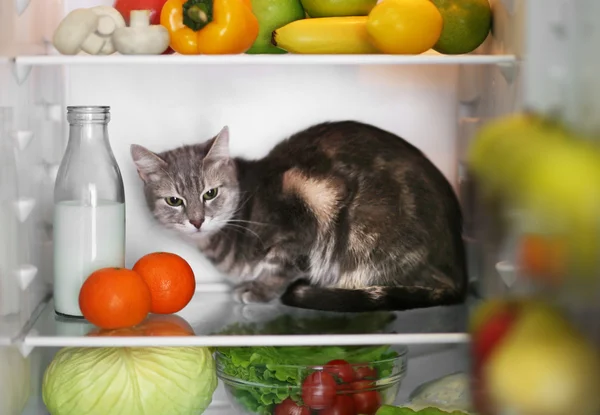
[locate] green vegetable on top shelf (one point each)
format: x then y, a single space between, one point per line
395 410
132 381
271 15
335 8
467 24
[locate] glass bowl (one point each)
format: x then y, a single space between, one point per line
331 388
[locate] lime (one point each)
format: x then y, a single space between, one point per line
271 15
334 8
466 25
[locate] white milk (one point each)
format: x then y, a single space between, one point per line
86 238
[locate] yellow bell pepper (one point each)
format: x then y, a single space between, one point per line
211 27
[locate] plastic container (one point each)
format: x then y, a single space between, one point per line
373 384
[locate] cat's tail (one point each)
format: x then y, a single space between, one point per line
379 298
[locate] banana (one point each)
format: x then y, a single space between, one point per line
325 35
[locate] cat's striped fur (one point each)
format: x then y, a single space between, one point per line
342 216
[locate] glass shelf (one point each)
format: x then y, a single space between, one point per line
217 320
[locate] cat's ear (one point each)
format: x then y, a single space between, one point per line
148 164
219 147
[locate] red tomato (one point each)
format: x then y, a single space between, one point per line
367 402
319 390
365 372
340 369
289 407
343 405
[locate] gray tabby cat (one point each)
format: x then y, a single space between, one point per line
342 216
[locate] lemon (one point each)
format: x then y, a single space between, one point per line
404 27
467 24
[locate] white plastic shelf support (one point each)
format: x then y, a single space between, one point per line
22 138
427 58
20 72
21 6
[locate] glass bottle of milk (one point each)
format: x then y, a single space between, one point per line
89 208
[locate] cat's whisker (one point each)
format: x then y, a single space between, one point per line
244 228
251 222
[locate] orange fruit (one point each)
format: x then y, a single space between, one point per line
113 298
170 279
154 325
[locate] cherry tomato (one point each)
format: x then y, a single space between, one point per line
340 369
343 405
289 407
319 390
365 372
367 402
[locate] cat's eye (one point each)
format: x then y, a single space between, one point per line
210 194
173 201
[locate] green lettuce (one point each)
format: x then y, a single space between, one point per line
266 366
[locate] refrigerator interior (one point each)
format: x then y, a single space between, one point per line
436 103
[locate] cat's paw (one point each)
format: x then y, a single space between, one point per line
253 292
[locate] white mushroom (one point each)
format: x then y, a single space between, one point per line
141 38
77 28
89 30
109 20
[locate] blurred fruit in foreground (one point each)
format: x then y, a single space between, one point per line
535 362
170 279
467 24
113 298
337 8
154 325
404 26
552 176
543 257
325 35
271 15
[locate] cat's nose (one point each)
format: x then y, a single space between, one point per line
197 222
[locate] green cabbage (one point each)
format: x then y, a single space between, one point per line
130 381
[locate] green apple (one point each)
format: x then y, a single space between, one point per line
544 366
467 24
334 8
271 15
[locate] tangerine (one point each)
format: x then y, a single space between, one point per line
113 298
154 325
170 279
